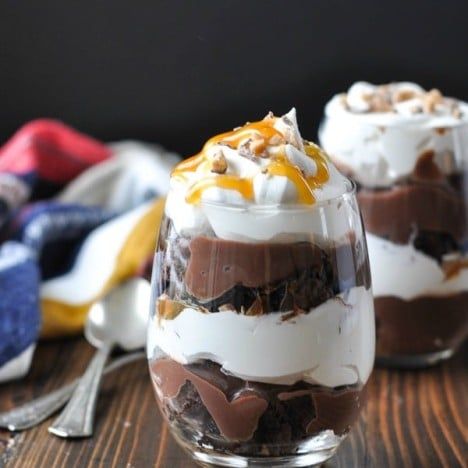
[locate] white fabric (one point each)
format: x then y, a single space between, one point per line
123 181
18 366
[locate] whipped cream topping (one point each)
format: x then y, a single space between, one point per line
264 165
333 345
378 133
402 102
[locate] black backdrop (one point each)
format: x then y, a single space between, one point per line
177 71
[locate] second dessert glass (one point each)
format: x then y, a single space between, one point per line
407 149
261 338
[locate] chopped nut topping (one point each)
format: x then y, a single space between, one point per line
253 148
431 99
219 163
275 140
256 145
416 109
456 112
379 103
403 95
344 100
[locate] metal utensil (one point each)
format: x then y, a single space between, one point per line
34 412
119 319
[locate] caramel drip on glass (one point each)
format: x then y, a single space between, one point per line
261 132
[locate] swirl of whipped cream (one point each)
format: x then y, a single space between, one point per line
378 133
263 165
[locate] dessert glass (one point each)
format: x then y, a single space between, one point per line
412 176
259 352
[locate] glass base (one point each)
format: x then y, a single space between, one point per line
414 361
312 452
306 460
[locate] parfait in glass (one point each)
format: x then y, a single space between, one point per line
261 338
407 150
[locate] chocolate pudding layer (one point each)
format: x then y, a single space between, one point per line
263 277
420 326
396 213
249 418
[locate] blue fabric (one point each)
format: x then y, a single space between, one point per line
19 300
55 232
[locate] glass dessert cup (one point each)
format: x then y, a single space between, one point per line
412 180
259 352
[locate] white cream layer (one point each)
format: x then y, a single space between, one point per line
382 148
404 272
332 345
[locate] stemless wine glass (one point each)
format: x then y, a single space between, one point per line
413 193
259 352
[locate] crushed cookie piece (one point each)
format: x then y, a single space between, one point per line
294 313
256 308
440 130
431 99
219 163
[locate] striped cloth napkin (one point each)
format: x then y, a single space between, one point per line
76 218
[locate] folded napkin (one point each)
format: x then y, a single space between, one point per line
76 218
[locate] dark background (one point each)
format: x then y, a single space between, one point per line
178 71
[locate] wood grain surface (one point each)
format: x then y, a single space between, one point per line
413 419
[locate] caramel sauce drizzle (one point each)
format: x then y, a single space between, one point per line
262 133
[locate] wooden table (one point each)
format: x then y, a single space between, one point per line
413 419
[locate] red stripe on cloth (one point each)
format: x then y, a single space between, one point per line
55 151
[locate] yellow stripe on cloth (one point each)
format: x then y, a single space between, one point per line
60 319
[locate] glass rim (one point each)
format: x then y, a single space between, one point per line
349 192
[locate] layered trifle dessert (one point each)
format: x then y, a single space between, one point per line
407 150
262 332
